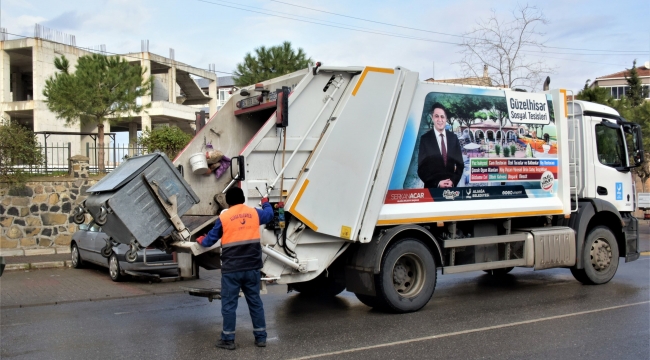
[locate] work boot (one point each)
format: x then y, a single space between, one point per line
225 344
260 343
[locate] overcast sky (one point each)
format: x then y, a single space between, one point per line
215 32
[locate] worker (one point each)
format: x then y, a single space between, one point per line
241 261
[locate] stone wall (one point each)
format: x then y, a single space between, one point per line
40 215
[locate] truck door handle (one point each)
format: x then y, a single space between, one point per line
601 191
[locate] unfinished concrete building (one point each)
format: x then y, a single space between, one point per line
25 65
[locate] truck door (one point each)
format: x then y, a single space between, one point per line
612 175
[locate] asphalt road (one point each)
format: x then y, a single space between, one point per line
527 314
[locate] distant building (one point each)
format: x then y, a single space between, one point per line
225 85
617 84
25 65
477 81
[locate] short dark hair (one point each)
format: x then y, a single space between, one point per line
235 196
438 105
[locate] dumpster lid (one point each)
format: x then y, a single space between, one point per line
123 173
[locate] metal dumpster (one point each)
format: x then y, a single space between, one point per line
132 203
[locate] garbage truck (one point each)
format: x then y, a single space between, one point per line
381 182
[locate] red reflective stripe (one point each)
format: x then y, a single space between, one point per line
240 224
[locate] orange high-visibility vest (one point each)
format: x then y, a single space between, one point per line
241 225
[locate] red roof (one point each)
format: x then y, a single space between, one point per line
641 70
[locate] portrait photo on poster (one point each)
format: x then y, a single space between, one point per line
476 144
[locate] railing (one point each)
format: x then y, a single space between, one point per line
56 158
113 156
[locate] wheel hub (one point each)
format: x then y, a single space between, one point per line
408 275
75 255
113 267
601 255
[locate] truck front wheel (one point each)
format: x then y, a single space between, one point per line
600 258
407 277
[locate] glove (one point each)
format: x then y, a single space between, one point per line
265 200
200 239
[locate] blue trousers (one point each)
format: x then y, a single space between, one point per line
249 282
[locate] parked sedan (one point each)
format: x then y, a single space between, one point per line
89 244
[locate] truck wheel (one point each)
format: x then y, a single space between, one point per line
600 258
319 286
407 277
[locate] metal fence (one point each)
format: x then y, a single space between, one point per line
56 158
113 155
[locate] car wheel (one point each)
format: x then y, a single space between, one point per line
599 257
76 257
114 269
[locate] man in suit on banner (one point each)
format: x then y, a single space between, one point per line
440 159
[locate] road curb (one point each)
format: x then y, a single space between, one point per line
645 253
39 265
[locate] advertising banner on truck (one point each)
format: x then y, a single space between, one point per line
476 144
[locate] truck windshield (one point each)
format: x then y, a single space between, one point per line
610 146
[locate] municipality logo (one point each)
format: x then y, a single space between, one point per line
619 191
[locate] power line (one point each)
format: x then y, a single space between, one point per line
325 24
130 56
294 17
433 32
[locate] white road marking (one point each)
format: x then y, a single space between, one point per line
402 342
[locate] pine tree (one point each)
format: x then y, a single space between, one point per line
595 94
269 63
101 89
636 92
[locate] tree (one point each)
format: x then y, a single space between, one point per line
268 63
18 148
101 89
596 94
636 93
632 107
502 45
168 139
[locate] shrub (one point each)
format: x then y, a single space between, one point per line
168 139
506 151
18 149
513 150
497 149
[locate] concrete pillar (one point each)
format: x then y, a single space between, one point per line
171 84
214 95
144 116
5 71
133 137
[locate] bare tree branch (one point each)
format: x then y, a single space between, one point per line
502 45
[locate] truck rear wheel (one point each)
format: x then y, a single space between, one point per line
599 257
407 278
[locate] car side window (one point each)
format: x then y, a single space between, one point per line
95 228
609 145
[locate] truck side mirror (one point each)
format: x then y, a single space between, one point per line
634 139
639 154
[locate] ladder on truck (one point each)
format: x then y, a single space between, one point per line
575 153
